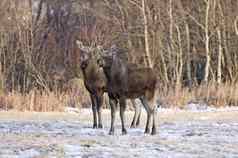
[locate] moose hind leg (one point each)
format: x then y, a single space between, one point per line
149 113
148 123
94 109
122 114
153 109
154 123
136 114
138 118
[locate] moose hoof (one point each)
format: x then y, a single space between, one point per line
94 126
153 132
147 131
133 126
124 132
111 132
100 126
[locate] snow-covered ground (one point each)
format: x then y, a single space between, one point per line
181 133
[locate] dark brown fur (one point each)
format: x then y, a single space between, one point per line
124 83
96 84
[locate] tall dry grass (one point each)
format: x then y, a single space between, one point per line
74 95
211 94
34 101
42 102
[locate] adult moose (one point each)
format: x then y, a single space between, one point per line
124 83
96 83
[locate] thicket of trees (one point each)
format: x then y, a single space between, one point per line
186 41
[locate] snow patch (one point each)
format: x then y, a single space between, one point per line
71 110
28 153
72 150
198 107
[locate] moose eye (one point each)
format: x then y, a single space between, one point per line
100 62
84 65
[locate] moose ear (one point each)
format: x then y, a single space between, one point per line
99 51
84 49
100 48
79 44
114 48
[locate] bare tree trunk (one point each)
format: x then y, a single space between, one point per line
127 25
227 56
163 62
188 64
1 77
171 46
179 59
171 24
146 34
219 57
1 54
207 41
235 25
225 38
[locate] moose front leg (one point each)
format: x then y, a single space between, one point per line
138 118
148 123
154 122
122 102
113 104
99 109
94 109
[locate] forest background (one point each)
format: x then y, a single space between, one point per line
191 44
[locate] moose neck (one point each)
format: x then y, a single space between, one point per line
119 66
91 71
119 75
107 71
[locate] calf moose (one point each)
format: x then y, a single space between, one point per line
96 83
124 83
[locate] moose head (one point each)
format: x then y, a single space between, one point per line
88 53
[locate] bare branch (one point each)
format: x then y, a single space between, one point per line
195 20
136 4
236 25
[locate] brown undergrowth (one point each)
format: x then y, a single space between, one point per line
211 94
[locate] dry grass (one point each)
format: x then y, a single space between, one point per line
34 101
212 94
75 95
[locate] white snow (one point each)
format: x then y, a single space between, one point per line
29 153
72 110
203 137
72 150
